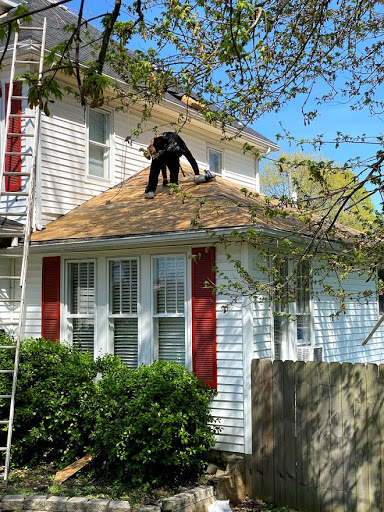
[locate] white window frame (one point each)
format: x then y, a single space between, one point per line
290 348
154 316
109 146
69 316
113 316
216 150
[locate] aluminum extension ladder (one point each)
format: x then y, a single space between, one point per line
20 231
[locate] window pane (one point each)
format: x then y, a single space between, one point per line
169 293
98 161
98 127
171 339
123 287
125 340
215 161
81 288
83 334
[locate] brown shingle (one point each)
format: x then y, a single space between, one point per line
123 211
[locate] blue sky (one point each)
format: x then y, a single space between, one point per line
333 117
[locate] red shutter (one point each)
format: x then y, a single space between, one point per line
50 310
13 162
204 316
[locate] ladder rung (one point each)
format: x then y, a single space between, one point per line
4 255
6 371
22 116
26 61
19 97
18 153
7 347
10 277
20 134
21 27
3 448
13 214
4 422
14 193
2 301
11 234
5 396
9 322
16 173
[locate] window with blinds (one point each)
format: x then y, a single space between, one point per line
169 308
123 279
81 303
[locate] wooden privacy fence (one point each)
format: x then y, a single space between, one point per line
318 435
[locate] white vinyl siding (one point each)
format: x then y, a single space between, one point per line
81 303
123 305
169 308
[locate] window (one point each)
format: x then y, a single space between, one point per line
169 308
292 314
99 143
81 303
215 161
123 316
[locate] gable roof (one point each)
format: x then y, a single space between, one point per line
123 212
60 16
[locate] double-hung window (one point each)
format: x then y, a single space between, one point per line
81 303
123 309
215 161
99 143
169 308
292 313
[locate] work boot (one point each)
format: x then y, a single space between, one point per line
149 195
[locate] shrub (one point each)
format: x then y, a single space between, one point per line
54 389
152 423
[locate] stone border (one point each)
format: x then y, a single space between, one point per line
223 485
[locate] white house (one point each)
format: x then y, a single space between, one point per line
125 275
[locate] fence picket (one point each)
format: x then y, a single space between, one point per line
373 438
278 432
290 433
268 445
348 444
313 427
361 437
257 429
301 436
380 444
336 434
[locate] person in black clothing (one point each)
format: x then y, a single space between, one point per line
166 151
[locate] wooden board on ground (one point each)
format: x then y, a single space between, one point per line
63 475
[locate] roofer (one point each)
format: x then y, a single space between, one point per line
166 151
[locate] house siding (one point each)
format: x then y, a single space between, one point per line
341 336
229 403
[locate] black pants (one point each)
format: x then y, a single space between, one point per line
172 161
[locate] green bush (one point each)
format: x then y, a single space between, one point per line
54 389
150 424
